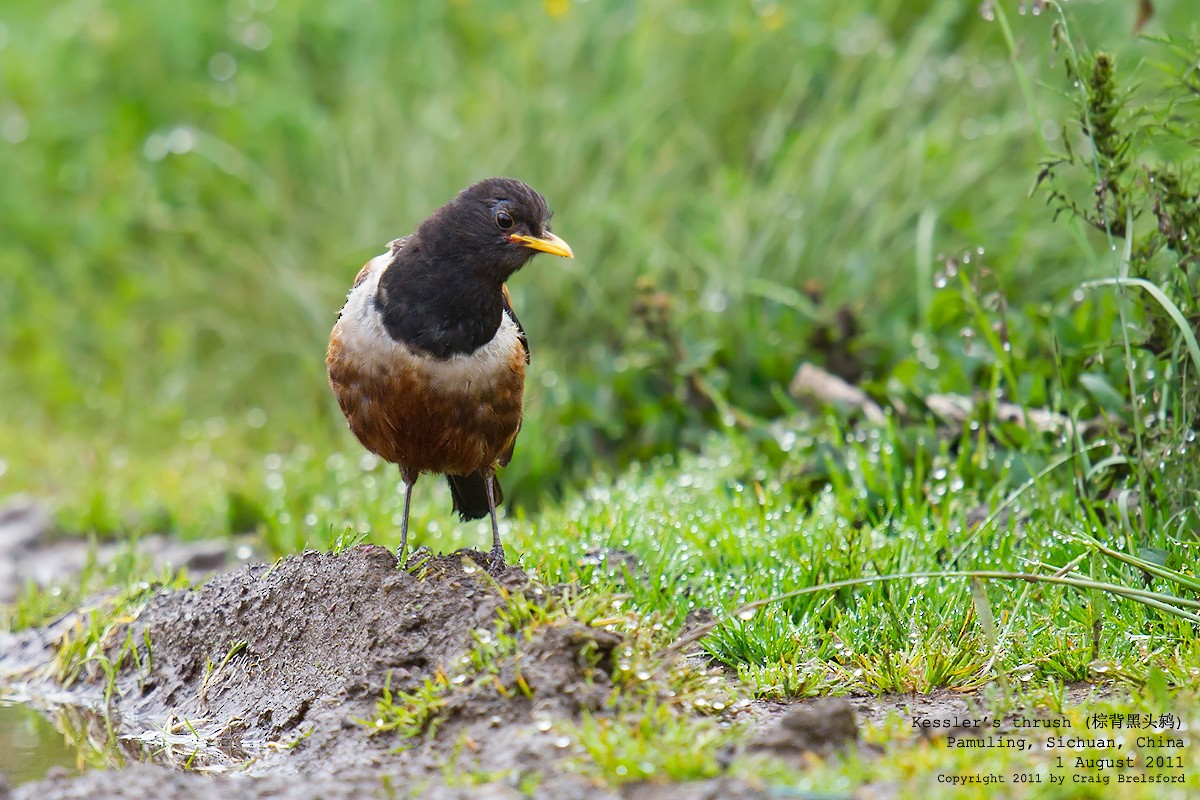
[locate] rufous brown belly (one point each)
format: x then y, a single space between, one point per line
404 412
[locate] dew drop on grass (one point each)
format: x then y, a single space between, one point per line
180 140
747 614
543 724
222 66
257 36
155 147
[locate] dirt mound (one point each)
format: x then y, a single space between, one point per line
276 673
269 664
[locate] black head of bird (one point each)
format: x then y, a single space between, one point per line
492 229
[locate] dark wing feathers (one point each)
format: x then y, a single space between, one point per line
507 455
508 309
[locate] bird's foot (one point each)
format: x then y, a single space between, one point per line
496 563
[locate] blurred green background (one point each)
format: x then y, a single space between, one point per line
188 189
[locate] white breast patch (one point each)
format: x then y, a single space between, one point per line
365 339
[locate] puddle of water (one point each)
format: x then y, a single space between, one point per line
30 745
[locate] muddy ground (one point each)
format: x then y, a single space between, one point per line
257 685
262 678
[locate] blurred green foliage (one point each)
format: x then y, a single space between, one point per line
188 190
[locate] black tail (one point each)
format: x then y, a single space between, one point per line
470 494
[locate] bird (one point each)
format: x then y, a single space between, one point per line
427 358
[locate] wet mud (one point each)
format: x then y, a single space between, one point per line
264 682
32 553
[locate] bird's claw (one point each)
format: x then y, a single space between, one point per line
496 563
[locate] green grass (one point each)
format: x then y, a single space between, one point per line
650 742
413 713
717 528
178 240
903 192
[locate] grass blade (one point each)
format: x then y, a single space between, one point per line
1167 304
1163 602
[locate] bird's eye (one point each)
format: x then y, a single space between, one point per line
504 220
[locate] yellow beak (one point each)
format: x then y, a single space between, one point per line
550 244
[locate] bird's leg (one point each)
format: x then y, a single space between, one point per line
409 480
497 555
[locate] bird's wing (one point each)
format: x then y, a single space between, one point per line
362 275
507 455
394 248
508 309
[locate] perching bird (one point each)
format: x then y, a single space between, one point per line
427 358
